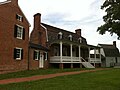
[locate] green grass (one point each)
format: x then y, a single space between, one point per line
99 80
35 72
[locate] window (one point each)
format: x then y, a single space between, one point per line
36 55
80 40
19 17
19 32
18 53
70 37
59 35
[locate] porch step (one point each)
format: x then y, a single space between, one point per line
87 65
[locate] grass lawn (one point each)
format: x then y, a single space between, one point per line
99 80
35 72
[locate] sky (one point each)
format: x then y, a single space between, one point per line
70 15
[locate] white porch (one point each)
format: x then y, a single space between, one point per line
67 59
70 53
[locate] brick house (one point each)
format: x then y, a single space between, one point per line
38 51
14 37
66 49
48 46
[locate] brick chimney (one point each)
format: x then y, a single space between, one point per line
78 32
114 43
15 2
37 20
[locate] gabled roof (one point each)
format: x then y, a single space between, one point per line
9 1
110 50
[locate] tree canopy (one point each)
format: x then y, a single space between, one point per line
112 18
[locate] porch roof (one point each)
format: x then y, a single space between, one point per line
74 43
38 46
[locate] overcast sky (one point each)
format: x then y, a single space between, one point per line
70 15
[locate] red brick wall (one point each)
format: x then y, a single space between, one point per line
33 64
38 36
7 40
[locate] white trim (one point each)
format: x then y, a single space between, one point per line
20 17
61 35
70 36
41 61
46 31
5 2
19 25
20 53
21 32
80 40
71 55
37 54
46 53
61 51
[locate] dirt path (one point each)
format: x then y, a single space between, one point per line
39 77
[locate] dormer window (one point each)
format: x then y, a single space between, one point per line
60 35
19 17
80 40
70 37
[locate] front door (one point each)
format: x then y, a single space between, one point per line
41 61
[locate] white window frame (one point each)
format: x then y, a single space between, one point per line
20 54
37 58
61 35
46 53
70 37
80 40
19 17
19 31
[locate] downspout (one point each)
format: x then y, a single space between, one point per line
28 58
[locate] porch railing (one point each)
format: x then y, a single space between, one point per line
68 59
93 60
65 59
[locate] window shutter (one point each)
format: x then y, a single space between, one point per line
23 34
44 56
15 31
14 53
34 55
47 56
21 54
39 56
16 16
22 19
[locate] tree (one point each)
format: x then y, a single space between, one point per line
112 18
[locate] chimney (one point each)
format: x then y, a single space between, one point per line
78 32
15 2
114 43
37 20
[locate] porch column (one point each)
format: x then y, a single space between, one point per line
89 54
71 55
100 54
79 53
61 52
95 55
